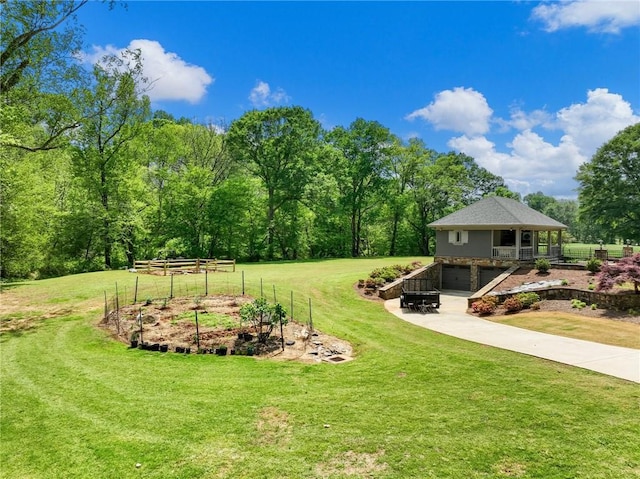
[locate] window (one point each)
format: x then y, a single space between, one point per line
458 237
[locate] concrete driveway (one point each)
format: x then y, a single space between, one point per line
452 320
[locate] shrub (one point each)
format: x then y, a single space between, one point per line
564 282
594 306
492 299
543 265
483 307
527 299
512 304
593 265
577 304
535 306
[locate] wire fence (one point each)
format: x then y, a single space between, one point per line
196 287
584 254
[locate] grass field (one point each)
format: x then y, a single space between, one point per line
413 404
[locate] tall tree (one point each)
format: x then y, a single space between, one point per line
40 77
114 110
279 146
363 165
609 191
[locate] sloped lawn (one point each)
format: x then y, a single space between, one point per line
413 403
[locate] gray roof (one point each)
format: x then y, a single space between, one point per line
495 212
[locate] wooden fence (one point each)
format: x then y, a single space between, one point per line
185 265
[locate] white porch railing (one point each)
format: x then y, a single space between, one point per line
526 253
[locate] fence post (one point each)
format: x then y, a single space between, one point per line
197 265
234 265
165 266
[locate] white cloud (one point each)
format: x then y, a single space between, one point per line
461 109
598 16
262 96
529 163
595 122
172 78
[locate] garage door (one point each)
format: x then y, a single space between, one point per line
456 277
489 274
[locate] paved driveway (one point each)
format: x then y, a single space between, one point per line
452 320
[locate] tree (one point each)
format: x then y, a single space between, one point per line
538 201
609 191
40 77
279 146
114 111
626 270
361 169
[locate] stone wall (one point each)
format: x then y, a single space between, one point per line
619 302
394 290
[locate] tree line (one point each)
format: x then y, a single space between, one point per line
92 178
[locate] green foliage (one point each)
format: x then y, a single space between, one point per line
527 299
577 304
593 265
542 265
263 316
609 191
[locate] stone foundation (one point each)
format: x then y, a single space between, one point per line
394 290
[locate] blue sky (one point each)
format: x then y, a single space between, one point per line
529 89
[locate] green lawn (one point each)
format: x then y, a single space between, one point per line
414 403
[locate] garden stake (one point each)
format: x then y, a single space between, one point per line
310 319
261 290
117 304
242 283
291 306
206 282
274 294
140 316
197 332
135 294
171 293
281 329
106 308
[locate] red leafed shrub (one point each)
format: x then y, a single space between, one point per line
627 270
512 304
483 307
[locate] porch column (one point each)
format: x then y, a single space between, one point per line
559 243
518 235
548 243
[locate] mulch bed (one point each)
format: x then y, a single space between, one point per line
575 278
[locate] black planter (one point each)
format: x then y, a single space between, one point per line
155 347
134 343
221 351
179 349
187 350
247 336
164 348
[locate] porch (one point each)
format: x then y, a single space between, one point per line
526 245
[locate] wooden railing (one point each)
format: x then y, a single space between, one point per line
185 265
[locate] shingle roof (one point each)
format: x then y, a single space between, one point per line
498 213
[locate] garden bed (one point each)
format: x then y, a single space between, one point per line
172 323
570 279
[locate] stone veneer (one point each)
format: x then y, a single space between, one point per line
394 290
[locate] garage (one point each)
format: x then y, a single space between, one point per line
488 274
456 277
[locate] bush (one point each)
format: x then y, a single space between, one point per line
512 304
543 265
493 299
527 299
535 306
577 304
483 307
593 265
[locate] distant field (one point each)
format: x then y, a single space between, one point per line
413 403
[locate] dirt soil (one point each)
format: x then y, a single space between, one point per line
173 324
577 279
